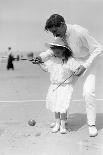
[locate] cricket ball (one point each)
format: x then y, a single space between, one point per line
32 122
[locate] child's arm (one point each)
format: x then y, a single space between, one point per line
38 61
71 65
74 65
45 56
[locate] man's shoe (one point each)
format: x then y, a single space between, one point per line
63 127
52 124
92 131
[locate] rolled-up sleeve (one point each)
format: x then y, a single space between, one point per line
93 46
71 64
46 55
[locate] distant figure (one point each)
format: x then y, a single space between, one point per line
10 60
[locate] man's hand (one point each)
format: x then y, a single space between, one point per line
80 70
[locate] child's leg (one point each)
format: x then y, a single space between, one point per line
63 122
57 123
57 116
63 116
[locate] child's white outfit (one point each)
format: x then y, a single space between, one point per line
58 99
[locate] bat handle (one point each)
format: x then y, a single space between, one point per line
62 82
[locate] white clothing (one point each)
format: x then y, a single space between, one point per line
60 71
58 99
85 49
83 45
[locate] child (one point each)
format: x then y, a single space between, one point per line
60 66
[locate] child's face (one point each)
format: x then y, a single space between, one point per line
58 52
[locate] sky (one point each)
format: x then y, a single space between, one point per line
22 22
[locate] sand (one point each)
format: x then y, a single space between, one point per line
22 97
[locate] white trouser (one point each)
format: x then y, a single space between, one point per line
89 80
89 92
89 96
88 85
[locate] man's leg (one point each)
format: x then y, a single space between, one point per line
89 96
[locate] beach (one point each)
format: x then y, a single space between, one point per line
22 97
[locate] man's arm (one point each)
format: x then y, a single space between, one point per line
94 47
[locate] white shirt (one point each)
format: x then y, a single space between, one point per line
82 44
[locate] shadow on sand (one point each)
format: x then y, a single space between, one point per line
78 120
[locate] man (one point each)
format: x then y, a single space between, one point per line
85 49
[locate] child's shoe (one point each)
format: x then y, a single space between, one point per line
92 131
56 128
63 130
62 127
52 124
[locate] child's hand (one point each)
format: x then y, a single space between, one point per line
37 60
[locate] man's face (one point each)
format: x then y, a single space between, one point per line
58 31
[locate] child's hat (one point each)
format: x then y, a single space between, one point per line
58 45
54 45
